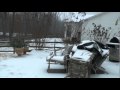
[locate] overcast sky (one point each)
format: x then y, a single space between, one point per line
76 16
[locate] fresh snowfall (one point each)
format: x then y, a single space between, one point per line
34 65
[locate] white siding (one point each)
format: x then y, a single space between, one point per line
107 19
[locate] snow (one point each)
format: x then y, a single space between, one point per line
105 52
53 39
90 46
56 66
50 44
113 44
112 68
86 41
82 55
34 65
6 49
83 42
57 58
75 16
1 33
74 48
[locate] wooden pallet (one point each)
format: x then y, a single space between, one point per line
56 70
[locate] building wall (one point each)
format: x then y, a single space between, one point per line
107 20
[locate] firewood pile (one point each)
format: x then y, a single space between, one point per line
79 68
87 59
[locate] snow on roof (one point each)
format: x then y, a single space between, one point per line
76 17
95 16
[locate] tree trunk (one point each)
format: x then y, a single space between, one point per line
12 28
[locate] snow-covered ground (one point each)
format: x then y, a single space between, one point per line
34 65
113 69
6 49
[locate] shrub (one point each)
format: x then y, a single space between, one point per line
18 42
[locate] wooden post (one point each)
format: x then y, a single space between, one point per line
49 65
119 60
54 48
14 50
65 32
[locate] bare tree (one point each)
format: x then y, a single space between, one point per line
4 23
11 31
73 24
39 25
99 33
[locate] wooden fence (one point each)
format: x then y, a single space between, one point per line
7 44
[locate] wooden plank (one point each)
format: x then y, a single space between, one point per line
47 47
13 51
4 42
35 46
30 42
7 42
6 46
56 70
6 51
45 42
113 44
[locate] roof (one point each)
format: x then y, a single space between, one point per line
115 40
100 14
